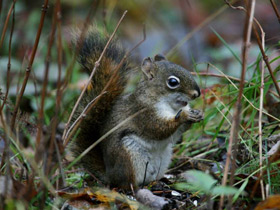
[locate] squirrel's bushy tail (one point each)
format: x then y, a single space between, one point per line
89 51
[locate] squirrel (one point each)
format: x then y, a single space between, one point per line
139 151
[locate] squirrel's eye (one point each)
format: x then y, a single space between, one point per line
173 82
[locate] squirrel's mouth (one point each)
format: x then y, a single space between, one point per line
182 102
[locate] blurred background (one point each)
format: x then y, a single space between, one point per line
188 32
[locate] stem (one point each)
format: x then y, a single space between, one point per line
231 153
265 58
45 82
275 10
6 23
260 119
9 61
28 69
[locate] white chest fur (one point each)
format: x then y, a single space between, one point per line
164 110
154 156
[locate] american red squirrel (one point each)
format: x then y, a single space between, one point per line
141 147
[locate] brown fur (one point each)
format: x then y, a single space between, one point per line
118 159
91 126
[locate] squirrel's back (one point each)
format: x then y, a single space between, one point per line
111 77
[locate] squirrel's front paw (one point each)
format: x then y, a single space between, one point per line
195 115
190 115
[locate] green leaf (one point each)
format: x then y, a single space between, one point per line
224 190
241 190
200 181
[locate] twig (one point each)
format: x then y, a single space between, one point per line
9 61
59 92
61 171
272 159
97 63
214 75
260 117
275 10
105 88
227 77
28 69
59 53
45 82
52 147
5 159
264 112
228 111
6 23
6 140
231 152
265 58
81 116
27 160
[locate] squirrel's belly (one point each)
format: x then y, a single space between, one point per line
150 159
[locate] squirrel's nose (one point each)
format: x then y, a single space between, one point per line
199 93
195 93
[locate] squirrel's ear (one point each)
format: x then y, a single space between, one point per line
147 68
159 57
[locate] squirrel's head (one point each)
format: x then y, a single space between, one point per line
168 82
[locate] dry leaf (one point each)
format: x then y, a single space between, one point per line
272 202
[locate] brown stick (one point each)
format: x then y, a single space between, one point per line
6 23
265 58
260 118
275 10
28 69
227 77
97 63
59 90
231 152
272 159
214 75
45 82
9 61
57 16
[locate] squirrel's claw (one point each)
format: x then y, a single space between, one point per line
178 114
